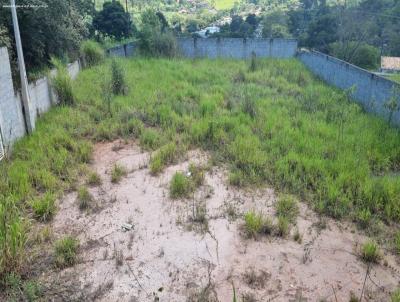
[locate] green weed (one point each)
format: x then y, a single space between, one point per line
397 242
118 82
12 237
256 223
62 83
92 53
85 199
287 206
180 186
370 252
65 251
395 296
117 173
93 179
44 207
283 226
166 155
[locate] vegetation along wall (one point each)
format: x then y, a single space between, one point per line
376 94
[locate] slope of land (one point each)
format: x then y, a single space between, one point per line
255 133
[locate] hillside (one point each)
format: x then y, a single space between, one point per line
199 177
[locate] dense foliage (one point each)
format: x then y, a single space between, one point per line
113 21
49 27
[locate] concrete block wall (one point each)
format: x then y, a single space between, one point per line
42 97
371 91
12 123
222 48
237 48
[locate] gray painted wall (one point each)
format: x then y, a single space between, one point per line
12 123
223 47
371 91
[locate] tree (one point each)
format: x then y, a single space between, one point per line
252 20
275 25
49 28
236 23
113 21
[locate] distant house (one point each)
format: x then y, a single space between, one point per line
204 33
390 64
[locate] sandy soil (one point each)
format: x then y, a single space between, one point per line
169 257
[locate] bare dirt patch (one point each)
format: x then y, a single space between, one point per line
174 254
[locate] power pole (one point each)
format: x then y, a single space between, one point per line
22 72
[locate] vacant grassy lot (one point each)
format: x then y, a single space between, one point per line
224 4
276 125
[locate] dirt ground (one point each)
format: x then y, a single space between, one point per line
169 256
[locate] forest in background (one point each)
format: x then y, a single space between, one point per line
357 31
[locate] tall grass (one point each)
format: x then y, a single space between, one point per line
92 53
62 83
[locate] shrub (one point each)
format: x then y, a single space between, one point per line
365 56
84 198
180 186
92 53
94 179
44 207
370 252
155 39
65 251
117 173
12 237
62 83
287 206
118 82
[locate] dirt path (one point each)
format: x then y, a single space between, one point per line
170 257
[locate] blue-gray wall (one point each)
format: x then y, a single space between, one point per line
237 48
371 91
223 47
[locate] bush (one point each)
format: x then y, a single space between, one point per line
155 39
180 186
44 207
65 250
365 56
370 252
62 83
92 53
